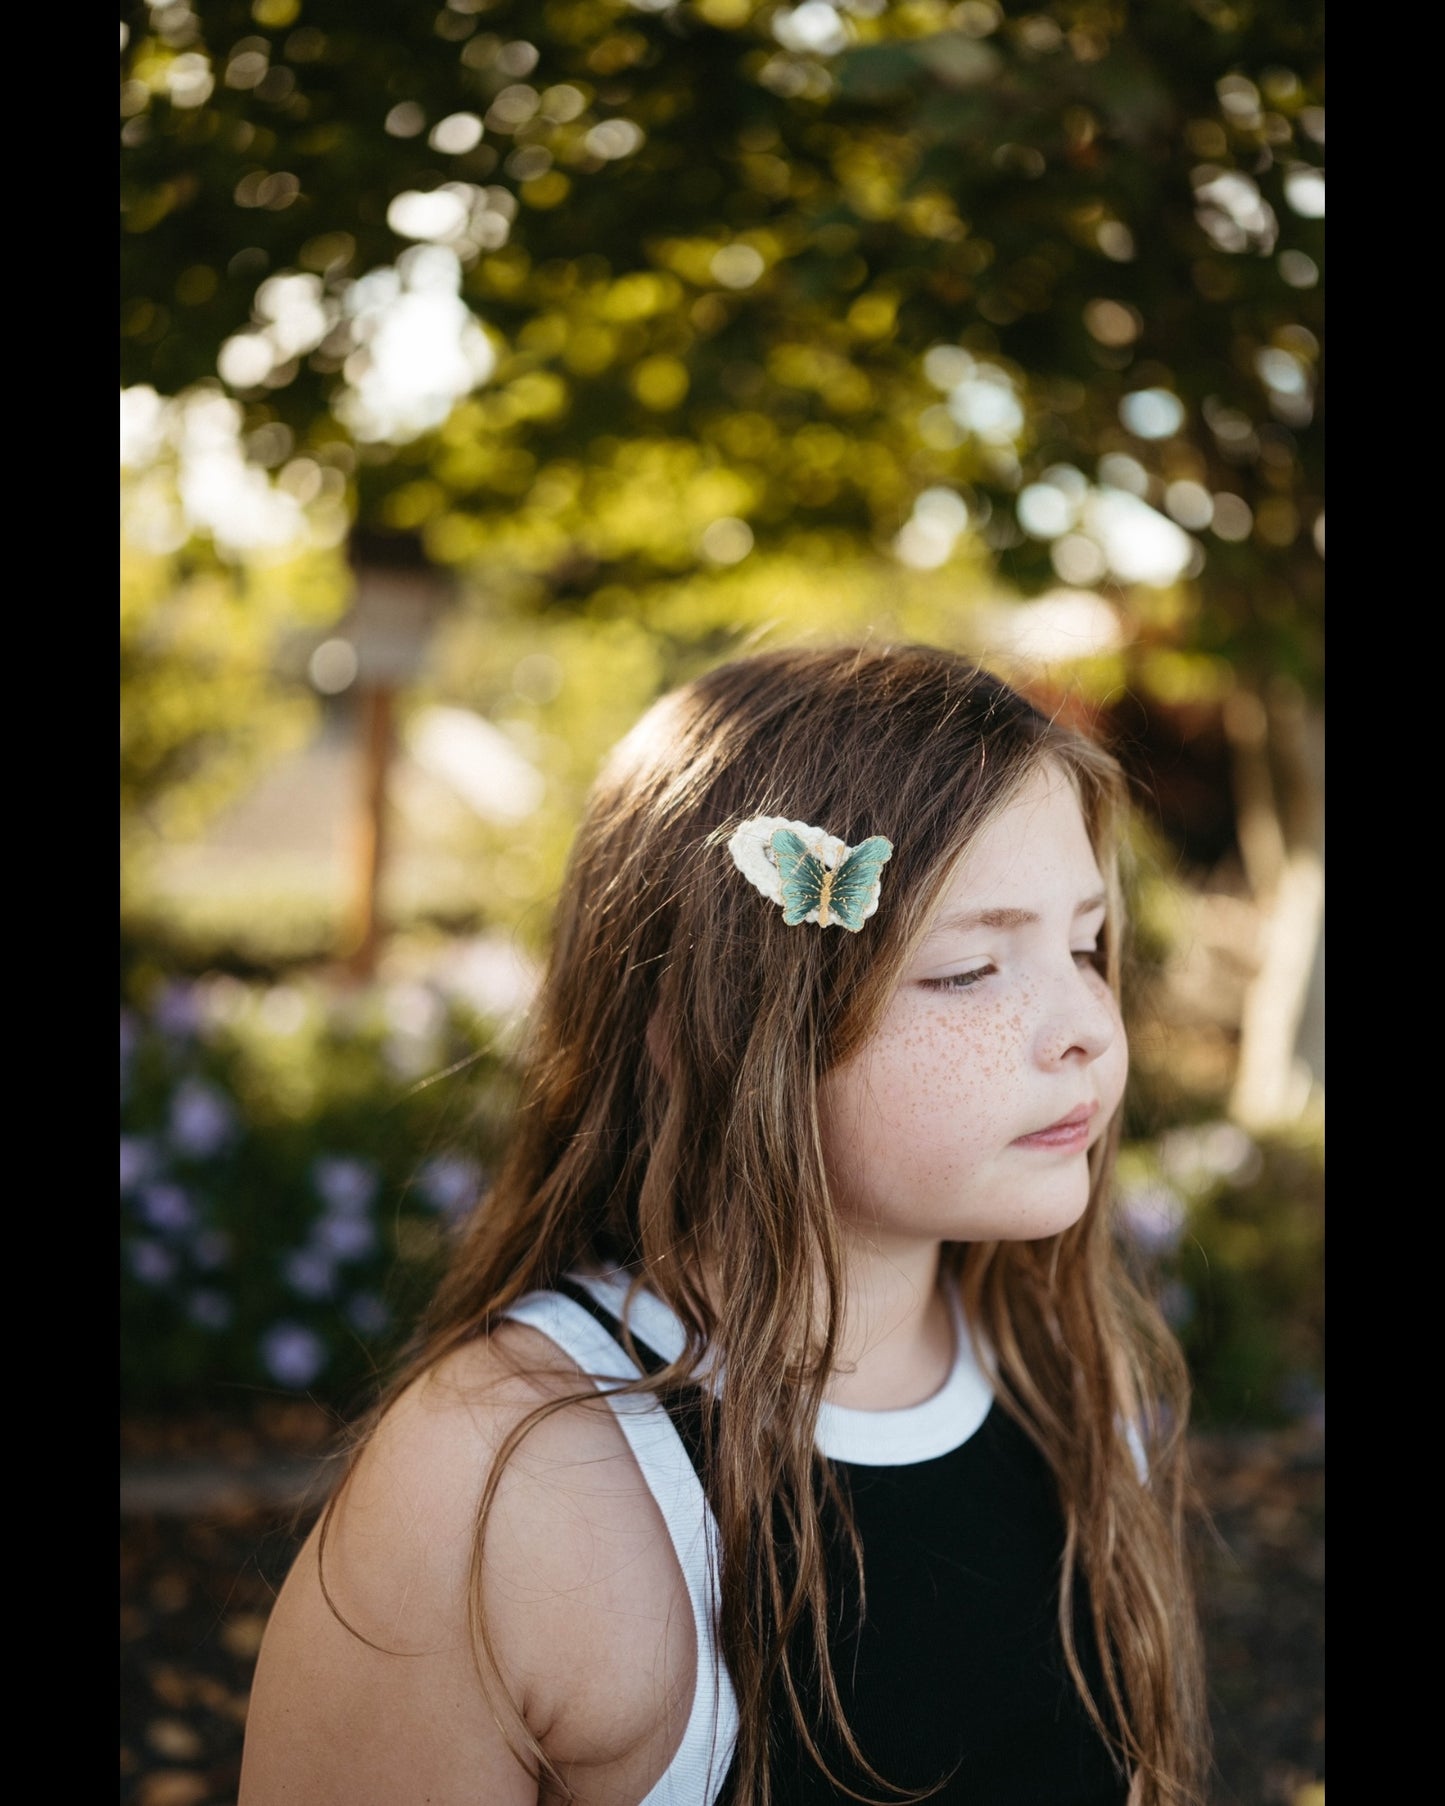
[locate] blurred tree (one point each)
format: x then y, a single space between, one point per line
611 301
200 633
698 252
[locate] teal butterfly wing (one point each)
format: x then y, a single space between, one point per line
802 876
855 878
845 891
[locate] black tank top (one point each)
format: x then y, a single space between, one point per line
956 1678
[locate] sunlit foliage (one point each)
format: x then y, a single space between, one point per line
738 275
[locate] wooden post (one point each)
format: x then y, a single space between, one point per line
398 596
377 736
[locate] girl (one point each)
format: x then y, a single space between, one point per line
786 1429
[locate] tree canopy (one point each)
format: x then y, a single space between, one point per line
731 282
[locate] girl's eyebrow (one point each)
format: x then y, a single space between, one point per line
1009 918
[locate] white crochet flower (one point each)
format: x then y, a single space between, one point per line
752 850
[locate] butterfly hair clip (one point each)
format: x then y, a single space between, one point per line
814 875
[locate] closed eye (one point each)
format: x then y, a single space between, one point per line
1090 957
958 981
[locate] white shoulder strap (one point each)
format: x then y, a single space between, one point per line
696 1773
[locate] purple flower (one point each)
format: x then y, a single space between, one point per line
202 1121
174 1011
293 1354
309 1273
129 1041
1153 1217
208 1309
211 1249
346 1186
137 1160
166 1207
152 1263
369 1314
450 1185
344 1238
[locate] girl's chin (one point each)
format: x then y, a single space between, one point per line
1025 1224
1015 1219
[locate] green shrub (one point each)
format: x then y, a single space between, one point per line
289 1178
1229 1231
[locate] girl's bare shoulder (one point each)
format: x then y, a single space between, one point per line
368 1680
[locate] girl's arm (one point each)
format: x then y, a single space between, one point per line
584 1603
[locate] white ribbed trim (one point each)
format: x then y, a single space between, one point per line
915 1432
696 1773
649 1318
863 1438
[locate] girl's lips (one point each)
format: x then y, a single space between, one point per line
1069 1132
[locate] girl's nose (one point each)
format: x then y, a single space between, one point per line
1083 1021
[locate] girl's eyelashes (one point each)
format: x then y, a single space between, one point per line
958 981
1091 959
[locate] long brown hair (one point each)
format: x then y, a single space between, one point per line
669 1126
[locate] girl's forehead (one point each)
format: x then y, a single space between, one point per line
1036 844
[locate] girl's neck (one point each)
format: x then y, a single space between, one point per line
897 1342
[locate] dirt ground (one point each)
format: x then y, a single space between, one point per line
205 1544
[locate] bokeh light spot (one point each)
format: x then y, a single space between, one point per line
426 216
1152 413
1077 559
727 541
333 666
457 134
1044 512
814 26
1233 518
737 266
1304 189
1113 323
1119 471
1190 504
613 138
1116 241
1298 269
405 120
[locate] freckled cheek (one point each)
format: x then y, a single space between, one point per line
945 1069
